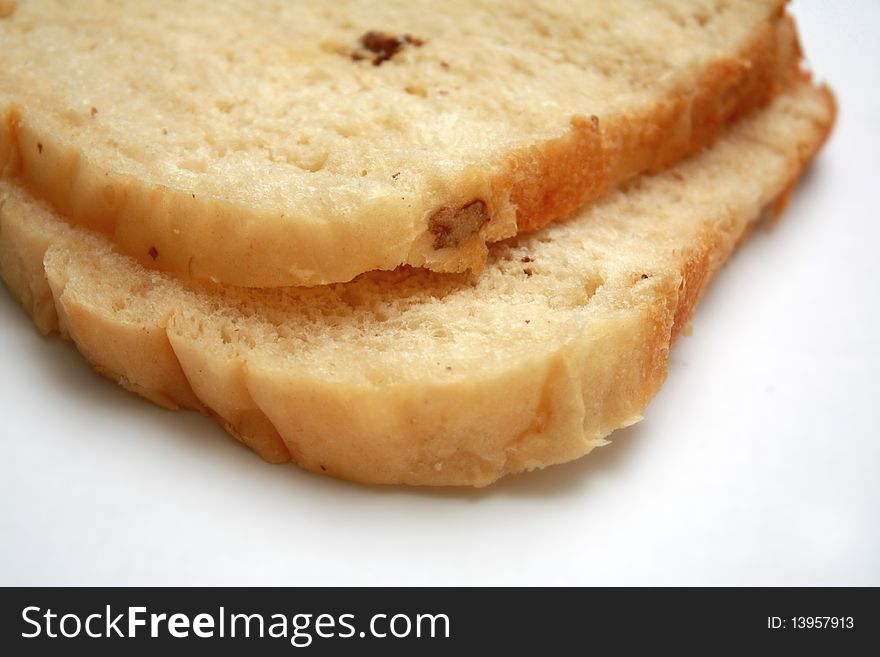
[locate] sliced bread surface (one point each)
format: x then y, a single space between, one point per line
297 143
422 378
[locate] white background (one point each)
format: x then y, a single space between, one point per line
758 463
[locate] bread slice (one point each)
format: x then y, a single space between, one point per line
422 378
298 143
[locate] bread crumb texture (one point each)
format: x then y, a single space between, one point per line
412 376
268 143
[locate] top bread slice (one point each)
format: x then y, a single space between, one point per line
423 378
267 143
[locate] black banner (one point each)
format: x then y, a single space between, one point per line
433 621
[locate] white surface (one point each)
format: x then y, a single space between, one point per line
757 463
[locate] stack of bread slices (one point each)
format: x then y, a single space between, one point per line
392 241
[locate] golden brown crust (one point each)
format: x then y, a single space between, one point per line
714 247
554 181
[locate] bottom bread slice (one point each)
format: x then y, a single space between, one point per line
420 378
